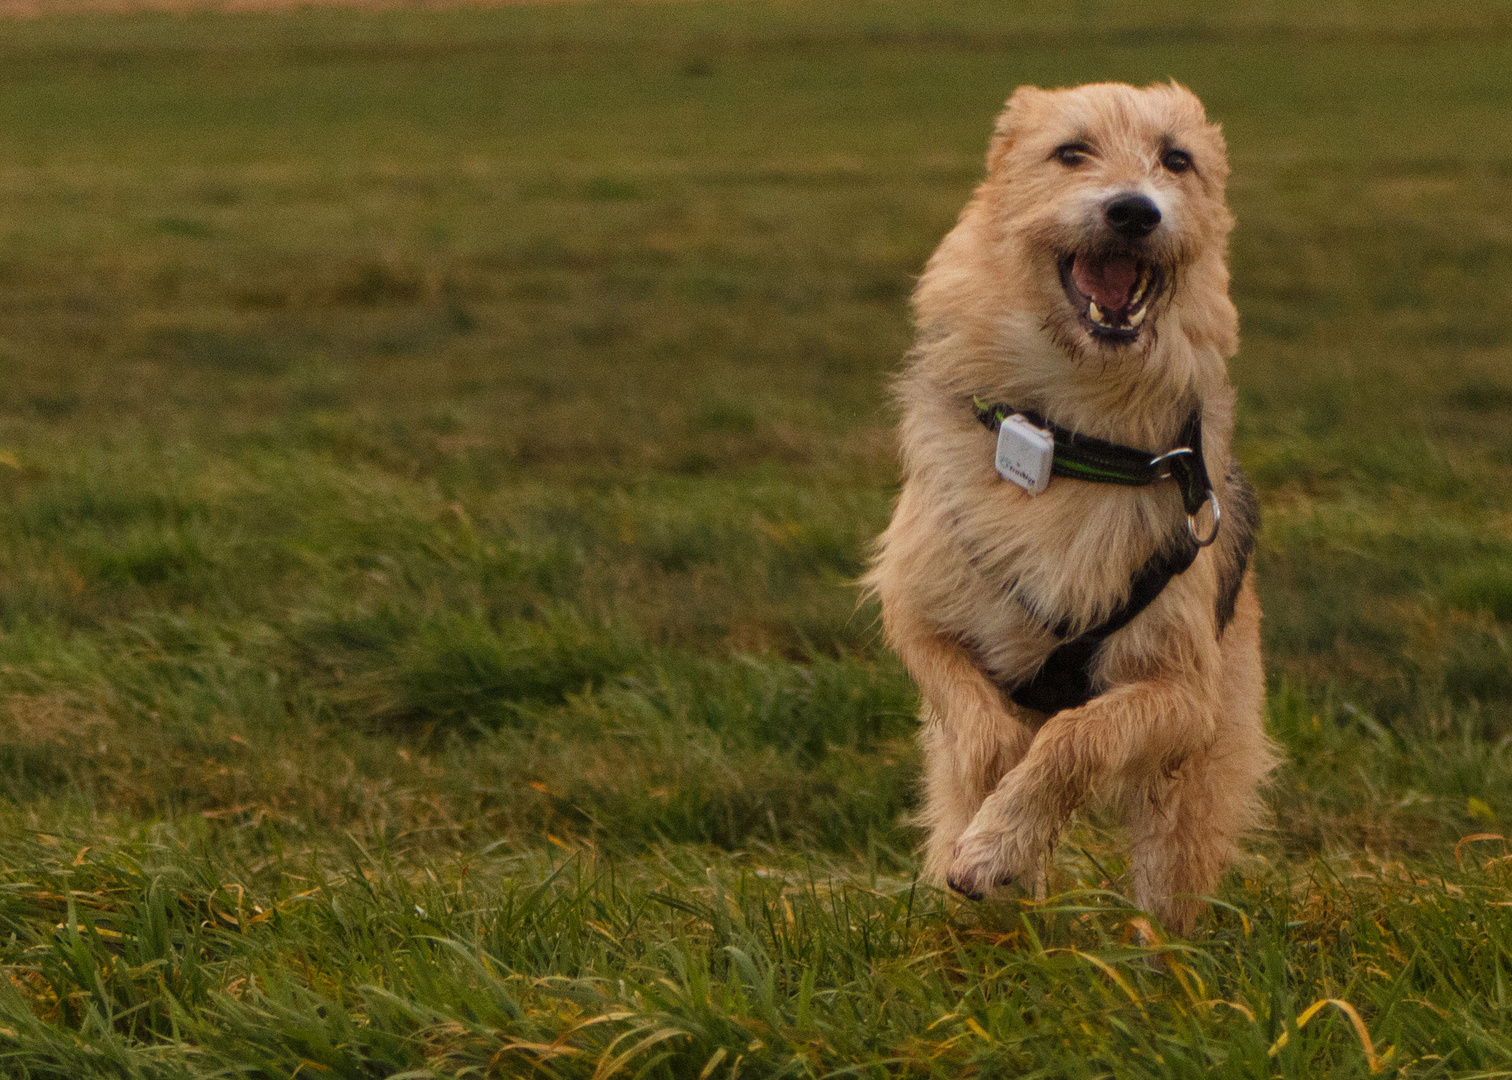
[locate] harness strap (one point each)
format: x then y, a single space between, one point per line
1083 457
1064 681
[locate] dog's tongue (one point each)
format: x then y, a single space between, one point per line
1109 282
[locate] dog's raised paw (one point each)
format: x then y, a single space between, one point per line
987 856
963 887
979 865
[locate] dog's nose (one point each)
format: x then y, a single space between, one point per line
1133 216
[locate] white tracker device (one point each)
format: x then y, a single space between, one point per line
1024 454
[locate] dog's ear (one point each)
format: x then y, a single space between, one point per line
1008 123
1191 100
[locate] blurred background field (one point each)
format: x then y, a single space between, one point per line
436 449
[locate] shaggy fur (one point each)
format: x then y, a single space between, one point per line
974 573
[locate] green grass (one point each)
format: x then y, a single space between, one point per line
436 450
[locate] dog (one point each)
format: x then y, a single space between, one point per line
1097 639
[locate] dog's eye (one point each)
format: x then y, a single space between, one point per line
1072 154
1176 161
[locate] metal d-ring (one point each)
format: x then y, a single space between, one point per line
1212 499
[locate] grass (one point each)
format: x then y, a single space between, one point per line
435 452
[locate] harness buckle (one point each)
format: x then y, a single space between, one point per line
1180 451
1212 499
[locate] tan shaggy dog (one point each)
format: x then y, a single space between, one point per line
1087 282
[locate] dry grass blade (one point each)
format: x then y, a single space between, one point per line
610 1066
1476 838
1375 1061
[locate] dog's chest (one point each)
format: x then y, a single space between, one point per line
1030 565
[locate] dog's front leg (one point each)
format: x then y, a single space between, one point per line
969 737
1133 729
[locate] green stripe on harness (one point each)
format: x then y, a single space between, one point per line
1082 457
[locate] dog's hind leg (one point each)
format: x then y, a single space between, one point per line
1187 827
1187 824
1184 835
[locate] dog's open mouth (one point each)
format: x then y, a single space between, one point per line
1112 294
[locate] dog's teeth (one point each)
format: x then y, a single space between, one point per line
1094 312
1137 318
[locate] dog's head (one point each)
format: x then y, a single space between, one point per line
1111 200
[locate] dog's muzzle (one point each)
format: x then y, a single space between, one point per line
1112 292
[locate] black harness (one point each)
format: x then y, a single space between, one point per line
1064 681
